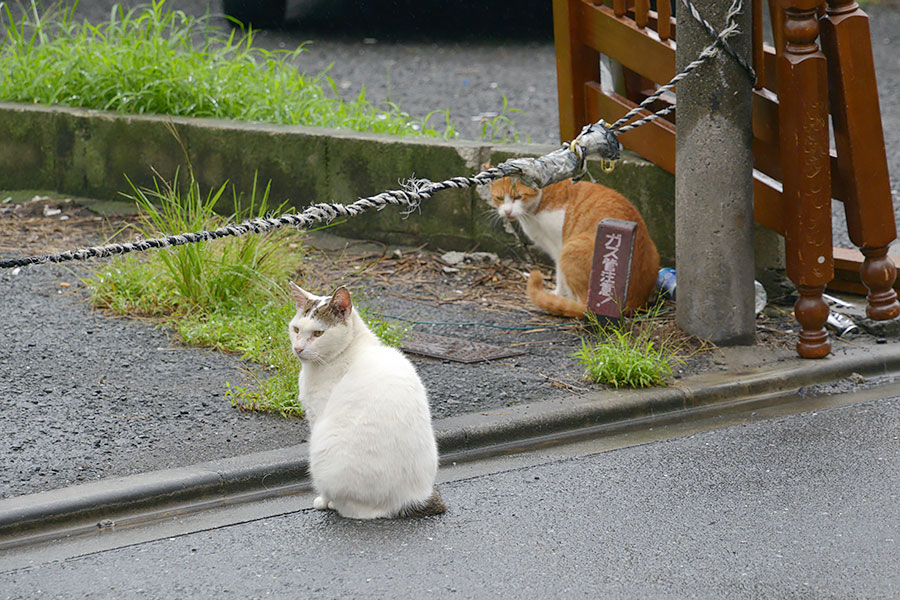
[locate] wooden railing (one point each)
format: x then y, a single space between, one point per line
795 174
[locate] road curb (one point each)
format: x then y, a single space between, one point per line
113 501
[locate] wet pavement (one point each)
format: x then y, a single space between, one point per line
773 506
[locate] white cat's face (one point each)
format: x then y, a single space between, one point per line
320 329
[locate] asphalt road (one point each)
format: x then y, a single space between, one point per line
804 506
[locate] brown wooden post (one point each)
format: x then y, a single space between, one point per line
859 141
805 166
576 64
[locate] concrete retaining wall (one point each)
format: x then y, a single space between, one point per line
89 153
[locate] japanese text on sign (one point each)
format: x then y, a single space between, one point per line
610 266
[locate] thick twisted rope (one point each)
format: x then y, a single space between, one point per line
568 161
318 213
722 37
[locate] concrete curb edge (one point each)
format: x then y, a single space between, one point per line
91 505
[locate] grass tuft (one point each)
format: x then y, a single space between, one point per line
638 352
153 60
502 128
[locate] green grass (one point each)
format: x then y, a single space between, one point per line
230 294
503 129
159 61
638 352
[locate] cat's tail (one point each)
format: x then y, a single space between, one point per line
551 303
434 505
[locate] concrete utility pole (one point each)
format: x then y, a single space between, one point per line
714 183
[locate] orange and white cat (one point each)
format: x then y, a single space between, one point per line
561 219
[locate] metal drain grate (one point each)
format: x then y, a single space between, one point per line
455 349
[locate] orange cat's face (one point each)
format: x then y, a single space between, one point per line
513 199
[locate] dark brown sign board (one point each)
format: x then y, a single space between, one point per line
611 269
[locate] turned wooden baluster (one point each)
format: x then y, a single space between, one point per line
859 141
806 176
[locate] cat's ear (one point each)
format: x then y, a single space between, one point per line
340 302
486 166
300 295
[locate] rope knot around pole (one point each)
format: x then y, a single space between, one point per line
568 161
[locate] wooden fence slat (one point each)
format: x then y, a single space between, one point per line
641 13
776 16
575 63
759 57
623 41
664 19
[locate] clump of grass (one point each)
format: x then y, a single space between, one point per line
230 294
154 60
502 128
226 294
638 352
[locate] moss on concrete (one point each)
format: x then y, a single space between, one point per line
89 153
366 167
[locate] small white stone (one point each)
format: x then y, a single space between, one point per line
453 257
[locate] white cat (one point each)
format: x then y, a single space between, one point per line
372 451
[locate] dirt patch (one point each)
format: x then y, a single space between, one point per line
50 224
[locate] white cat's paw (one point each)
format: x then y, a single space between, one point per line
322 503
331 505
